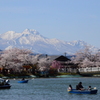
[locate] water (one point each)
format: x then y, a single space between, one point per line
49 89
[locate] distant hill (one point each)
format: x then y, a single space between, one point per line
31 39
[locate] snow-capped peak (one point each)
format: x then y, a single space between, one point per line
30 31
8 35
31 39
77 42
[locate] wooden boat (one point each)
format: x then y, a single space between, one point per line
93 91
5 86
23 81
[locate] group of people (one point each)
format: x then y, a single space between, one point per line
79 87
4 82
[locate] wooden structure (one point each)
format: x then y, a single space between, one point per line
62 63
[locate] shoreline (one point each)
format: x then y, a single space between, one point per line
58 76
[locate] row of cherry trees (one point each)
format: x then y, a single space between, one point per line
16 58
87 58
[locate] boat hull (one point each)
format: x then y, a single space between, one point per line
83 91
5 86
23 81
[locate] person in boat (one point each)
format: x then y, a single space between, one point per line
89 88
23 79
79 86
1 82
70 88
7 82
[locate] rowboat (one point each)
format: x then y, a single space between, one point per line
5 86
93 91
23 81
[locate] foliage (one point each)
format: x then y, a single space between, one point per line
23 62
15 59
1 75
53 72
86 58
56 64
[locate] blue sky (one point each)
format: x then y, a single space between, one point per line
66 20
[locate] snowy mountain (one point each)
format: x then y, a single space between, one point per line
31 39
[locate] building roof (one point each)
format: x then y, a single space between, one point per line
62 58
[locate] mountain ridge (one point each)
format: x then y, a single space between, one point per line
31 39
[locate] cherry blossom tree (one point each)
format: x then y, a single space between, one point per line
86 58
15 58
44 63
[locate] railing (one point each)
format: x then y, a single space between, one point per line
69 70
89 69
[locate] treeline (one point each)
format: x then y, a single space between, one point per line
23 62
87 58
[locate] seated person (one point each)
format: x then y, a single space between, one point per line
79 86
70 88
7 81
89 88
23 79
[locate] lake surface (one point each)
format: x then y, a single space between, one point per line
49 89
